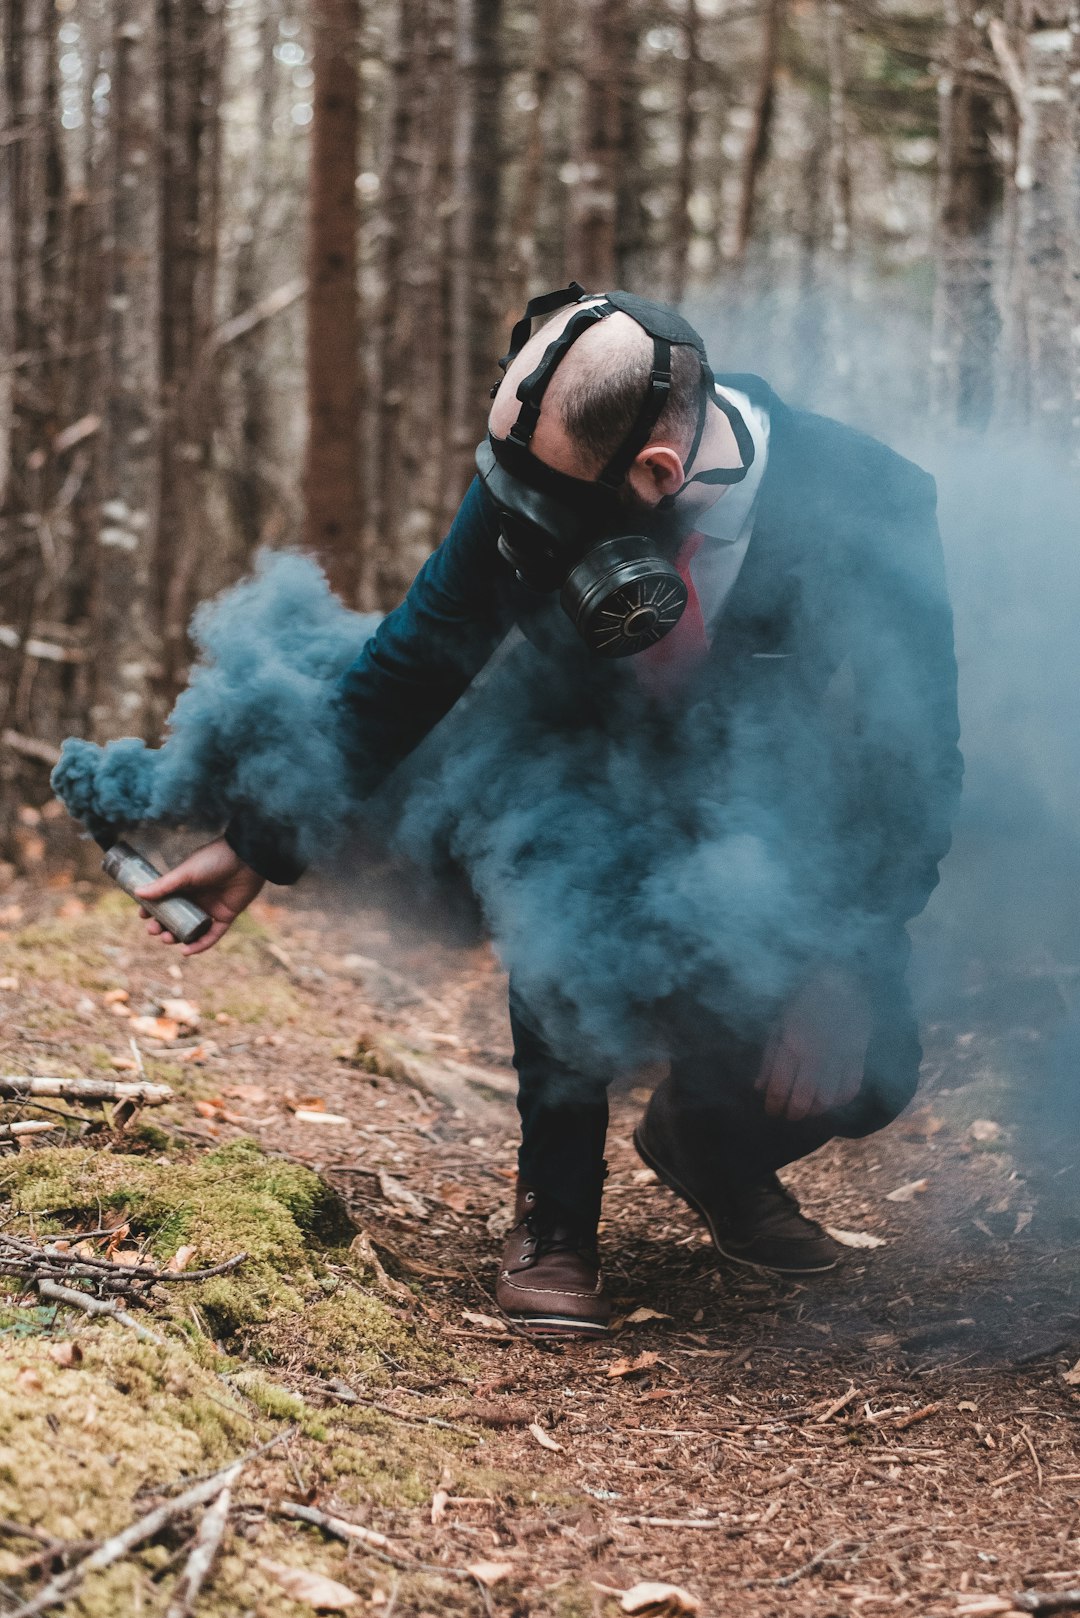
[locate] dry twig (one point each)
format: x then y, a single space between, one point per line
201 1559
99 1306
17 1087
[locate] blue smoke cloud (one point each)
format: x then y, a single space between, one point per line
256 723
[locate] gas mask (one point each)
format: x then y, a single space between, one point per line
614 572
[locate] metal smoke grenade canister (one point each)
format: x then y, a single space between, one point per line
130 870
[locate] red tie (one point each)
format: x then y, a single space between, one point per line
667 665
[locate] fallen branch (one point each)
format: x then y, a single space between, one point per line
34 1262
334 1525
341 1390
1054 1601
673 1522
185 1592
27 1126
99 1306
137 1533
16 1087
376 1544
817 1560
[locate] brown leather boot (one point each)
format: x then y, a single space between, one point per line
759 1223
549 1278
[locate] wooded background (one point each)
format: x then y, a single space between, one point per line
257 258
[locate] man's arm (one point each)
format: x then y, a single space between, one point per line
409 675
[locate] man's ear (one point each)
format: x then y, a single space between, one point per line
656 471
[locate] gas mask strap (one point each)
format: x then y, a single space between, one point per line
532 389
656 397
743 440
545 303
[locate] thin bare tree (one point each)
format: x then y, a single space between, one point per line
332 492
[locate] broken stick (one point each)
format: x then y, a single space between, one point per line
17 1087
99 1306
58 1589
185 1591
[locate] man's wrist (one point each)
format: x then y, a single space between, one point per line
268 850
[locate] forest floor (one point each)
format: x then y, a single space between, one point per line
897 1436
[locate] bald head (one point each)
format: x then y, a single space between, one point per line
596 392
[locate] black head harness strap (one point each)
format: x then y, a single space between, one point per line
666 328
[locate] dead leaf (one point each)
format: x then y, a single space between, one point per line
183 1012
123 1064
984 1129
854 1238
164 1029
29 1379
66 1354
180 1260
324 1594
1072 1377
544 1439
307 1103
197 1054
489 1573
70 909
116 1236
638 1316
1023 1220
908 1192
216 1108
655 1600
483 1322
644 1177
628 1367
401 1196
458 1197
244 1092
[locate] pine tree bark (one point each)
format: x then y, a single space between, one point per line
1045 214
757 143
524 226
125 625
334 520
474 223
7 263
592 224
966 323
681 232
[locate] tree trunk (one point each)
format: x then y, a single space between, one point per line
965 319
681 232
757 143
334 518
474 223
1045 217
7 262
593 232
125 625
526 217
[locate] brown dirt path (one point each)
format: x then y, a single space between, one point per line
897 1436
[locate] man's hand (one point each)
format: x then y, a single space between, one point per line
215 878
815 1058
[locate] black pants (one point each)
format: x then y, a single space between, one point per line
564 1113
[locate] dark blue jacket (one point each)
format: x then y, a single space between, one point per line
844 567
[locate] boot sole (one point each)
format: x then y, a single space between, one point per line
667 1178
558 1326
